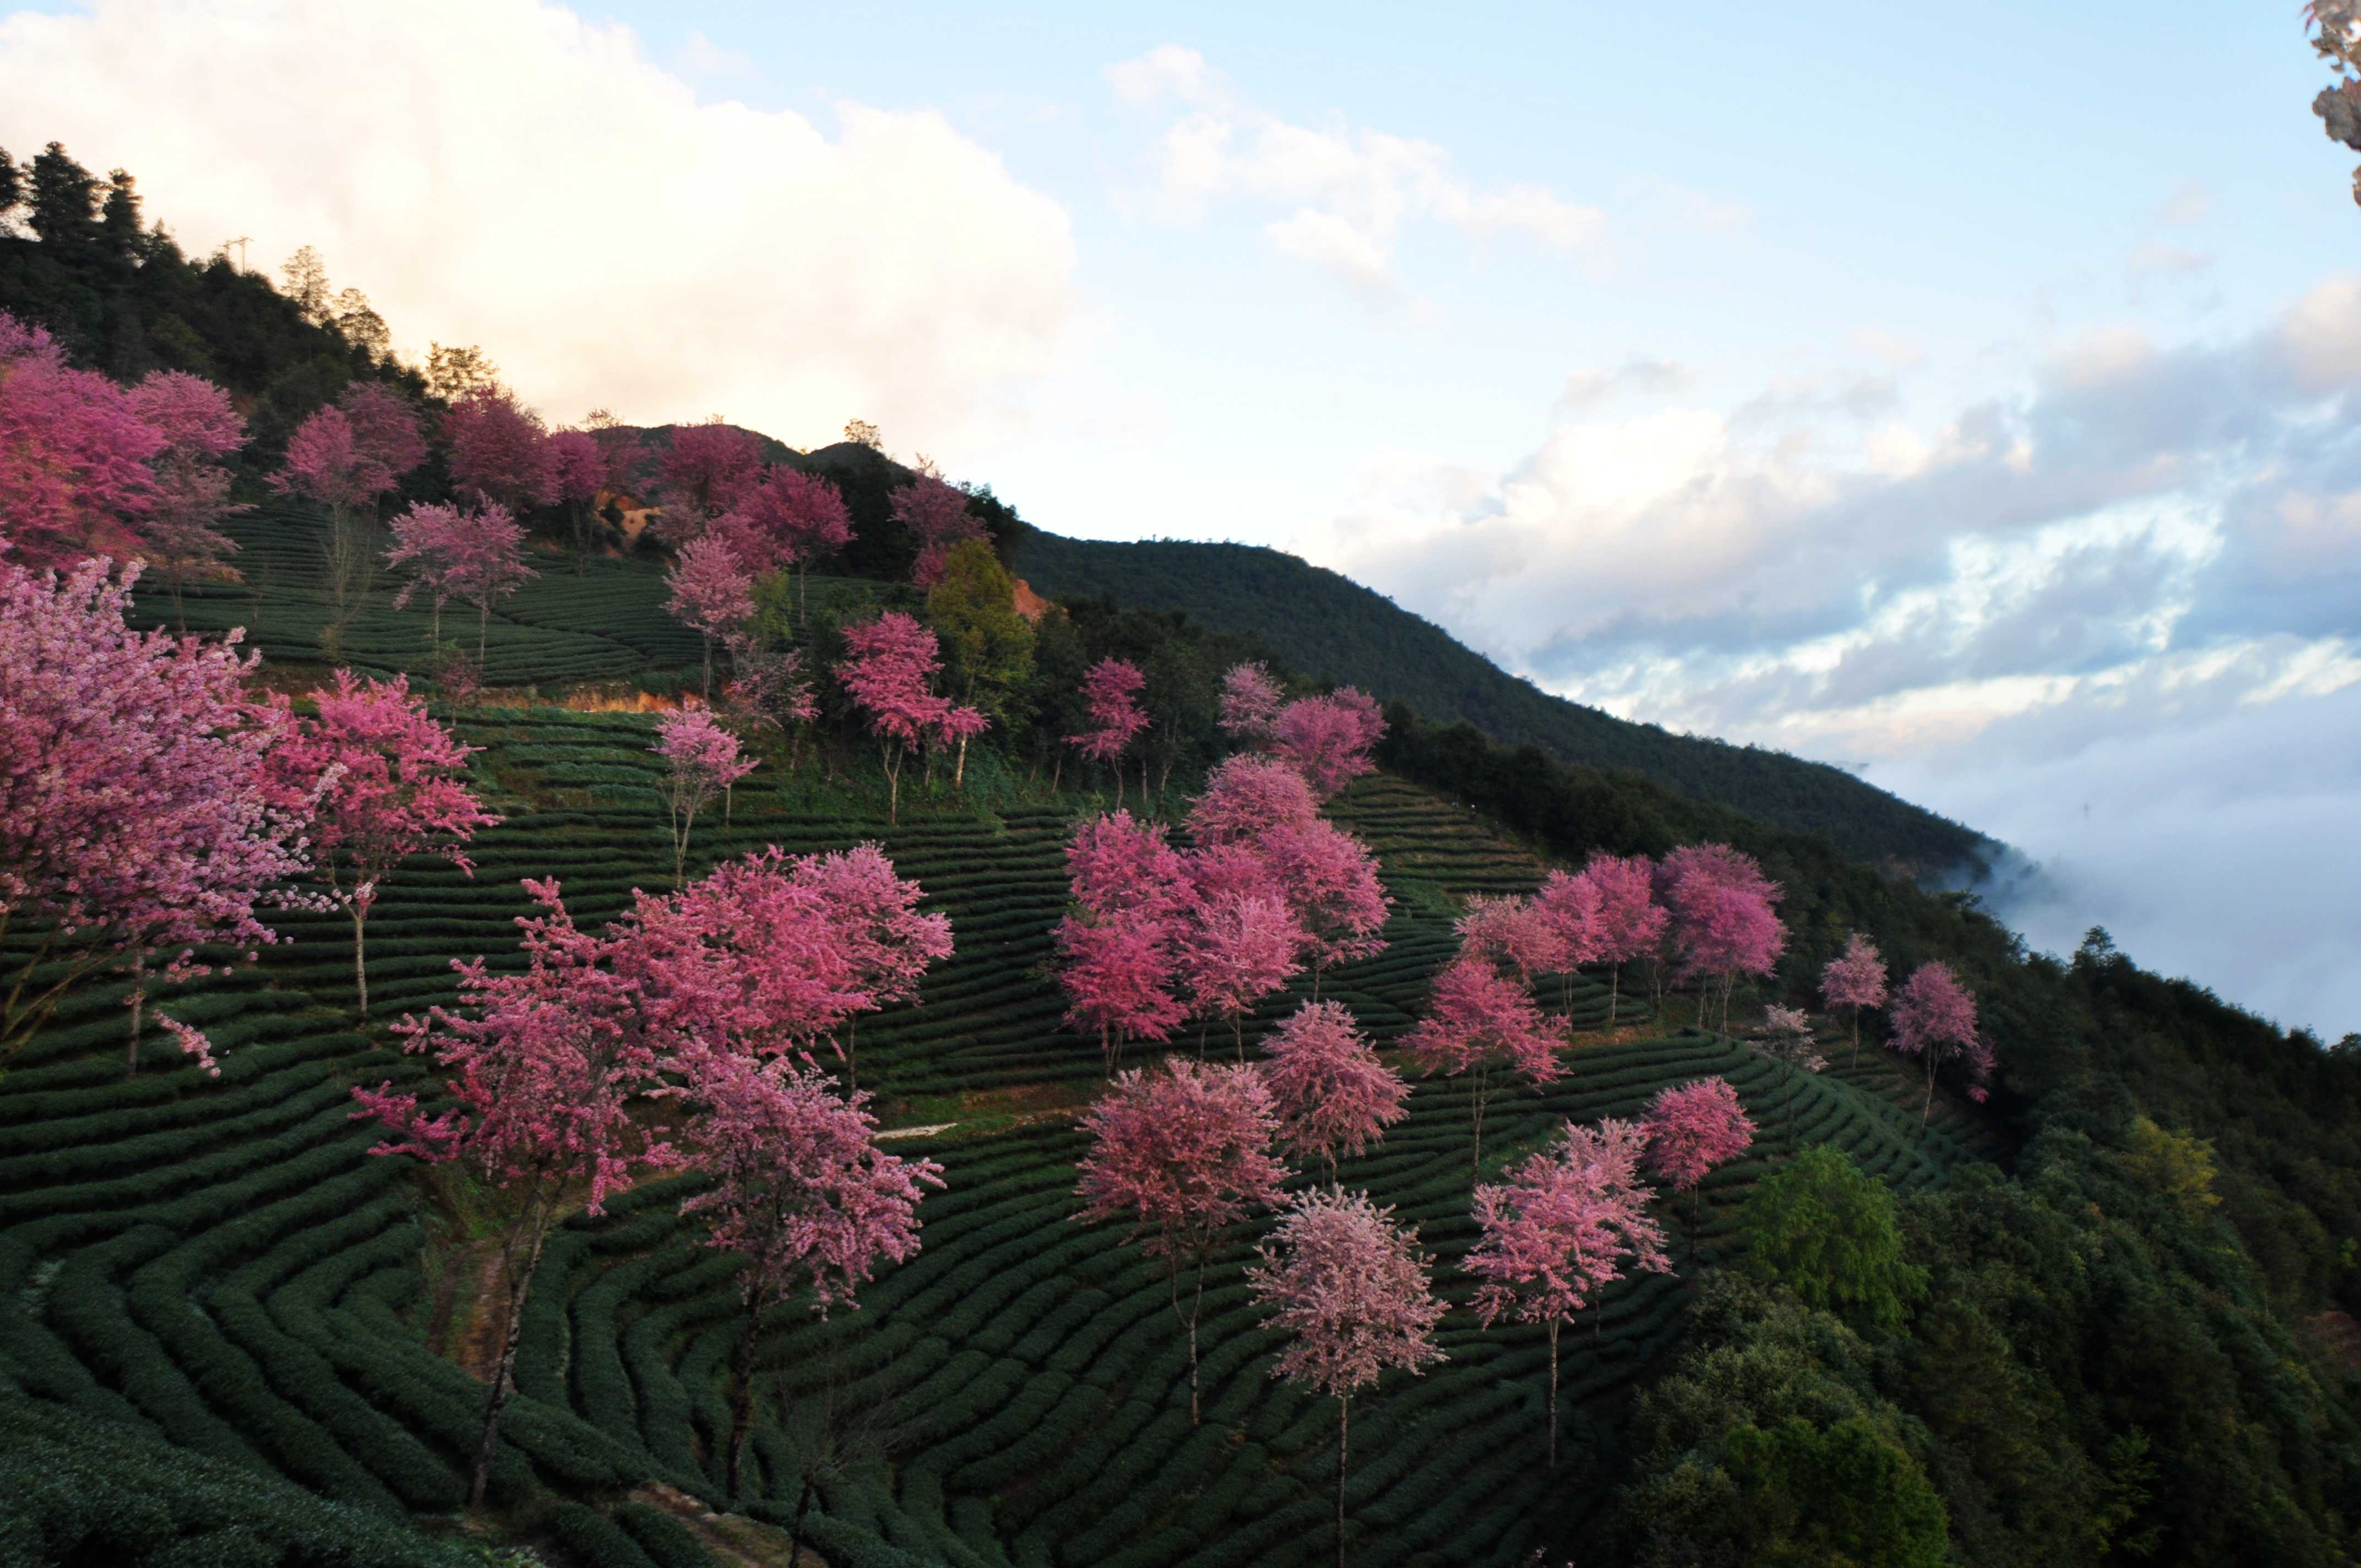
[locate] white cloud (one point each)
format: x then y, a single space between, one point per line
700 56
505 173
1350 191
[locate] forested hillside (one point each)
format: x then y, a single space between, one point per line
526 1041
1335 629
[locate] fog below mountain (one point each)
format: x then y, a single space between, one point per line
2227 851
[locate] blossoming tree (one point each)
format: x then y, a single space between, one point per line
1110 703
704 762
1693 1128
1335 1098
888 673
1853 979
1934 1019
1477 1020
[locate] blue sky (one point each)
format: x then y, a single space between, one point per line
1962 396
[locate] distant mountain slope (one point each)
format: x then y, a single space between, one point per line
1320 620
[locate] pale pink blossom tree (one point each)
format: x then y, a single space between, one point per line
1568 908
891 667
326 464
957 727
394 787
1353 1293
800 1194
703 761
1555 1233
1250 704
872 912
73 454
500 451
1181 1155
1335 1098
1232 950
474 558
198 426
1724 920
1477 1020
768 685
936 518
1117 864
1934 1019
1246 798
710 591
1630 923
1329 738
1693 1128
545 1064
1786 1038
1853 979
1513 933
1330 881
430 541
1110 702
139 809
790 519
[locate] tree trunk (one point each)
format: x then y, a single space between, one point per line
795 1530
959 774
1552 1397
1927 1109
803 596
1196 1308
852 1053
483 627
1475 1155
1343 1433
1238 1035
1614 991
708 666
360 958
503 1376
138 1002
741 1394
1057 771
1854 1059
893 787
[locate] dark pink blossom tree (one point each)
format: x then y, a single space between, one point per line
1246 798
768 685
1335 1098
1181 1155
1110 701
1630 923
1555 1233
1352 1291
1233 950
327 464
139 810
1852 981
1693 1128
430 543
1724 920
703 761
545 1064
800 1194
1477 1020
710 592
1120 976
1117 864
385 431
790 519
889 676
936 518
1568 909
486 563
1329 740
1934 1019
706 468
872 913
500 451
1330 881
1250 704
198 426
395 787
580 470
73 454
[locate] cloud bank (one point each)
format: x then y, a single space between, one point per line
504 172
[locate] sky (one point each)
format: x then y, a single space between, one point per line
1965 401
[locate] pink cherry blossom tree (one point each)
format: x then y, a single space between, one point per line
1329 740
1555 1232
1118 864
703 761
873 916
385 433
1119 976
1693 1128
957 727
790 519
198 426
1786 1038
1330 881
768 685
1233 950
1476 1021
1934 1019
1181 1155
139 810
1630 923
1246 798
889 675
1724 920
1514 934
1853 979
580 468
545 1065
1110 701
800 1194
395 787
73 454
474 558
429 543
705 469
1353 1293
936 518
710 591
1335 1098
326 464
1567 908
1250 704
500 451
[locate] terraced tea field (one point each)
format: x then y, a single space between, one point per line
221 1260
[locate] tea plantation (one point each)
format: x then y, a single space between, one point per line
221 1263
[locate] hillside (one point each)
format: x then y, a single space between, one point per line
1330 626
